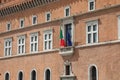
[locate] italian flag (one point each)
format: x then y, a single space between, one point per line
62 41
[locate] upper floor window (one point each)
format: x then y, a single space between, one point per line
47 74
20 75
91 5
21 23
21 44
48 16
66 33
92 32
48 40
67 11
33 75
7 76
8 26
8 47
93 73
34 19
34 42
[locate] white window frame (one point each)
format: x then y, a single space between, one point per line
8 23
67 63
47 17
91 23
89 1
7 47
67 7
118 27
47 32
5 75
33 35
68 21
21 23
18 74
31 73
45 72
89 69
34 16
19 38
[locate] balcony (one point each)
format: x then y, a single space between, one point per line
66 51
67 77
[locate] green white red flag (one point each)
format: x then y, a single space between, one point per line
62 41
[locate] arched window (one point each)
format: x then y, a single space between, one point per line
20 76
7 76
33 75
93 73
47 74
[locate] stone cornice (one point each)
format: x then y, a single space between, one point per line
23 6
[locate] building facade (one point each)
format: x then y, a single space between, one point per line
59 40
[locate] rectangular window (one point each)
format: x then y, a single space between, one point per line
67 69
48 40
21 23
48 16
68 34
67 11
34 42
8 26
91 5
92 32
8 47
21 44
34 19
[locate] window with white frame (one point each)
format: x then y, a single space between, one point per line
67 29
48 40
91 5
93 73
118 27
67 68
34 19
47 74
34 42
7 76
48 16
20 75
8 47
21 44
67 11
8 26
21 23
92 32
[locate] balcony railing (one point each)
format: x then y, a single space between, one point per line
66 51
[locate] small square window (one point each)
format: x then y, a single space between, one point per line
67 11
48 16
34 20
8 26
91 5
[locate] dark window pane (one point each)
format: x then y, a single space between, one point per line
91 5
93 74
33 75
7 76
47 74
20 76
67 69
89 38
